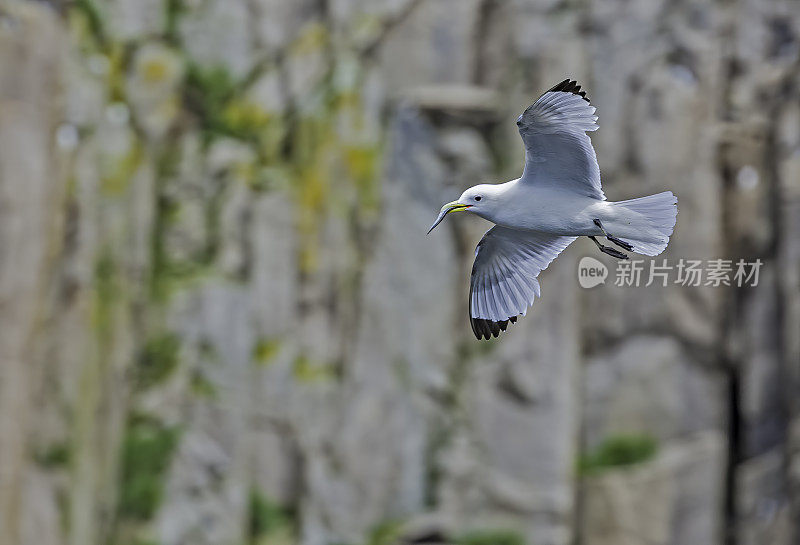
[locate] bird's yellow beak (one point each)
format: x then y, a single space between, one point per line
454 206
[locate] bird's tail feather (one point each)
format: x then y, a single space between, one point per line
656 215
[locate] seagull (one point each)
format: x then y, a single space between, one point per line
557 199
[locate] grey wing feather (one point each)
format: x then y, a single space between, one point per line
558 152
504 280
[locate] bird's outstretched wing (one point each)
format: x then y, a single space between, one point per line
504 276
558 152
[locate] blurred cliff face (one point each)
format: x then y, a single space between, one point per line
222 322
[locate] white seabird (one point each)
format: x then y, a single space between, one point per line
557 199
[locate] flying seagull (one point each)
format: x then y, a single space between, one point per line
557 199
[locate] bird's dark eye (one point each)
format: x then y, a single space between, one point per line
478 198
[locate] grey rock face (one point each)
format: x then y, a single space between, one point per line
676 498
762 510
222 321
28 228
649 385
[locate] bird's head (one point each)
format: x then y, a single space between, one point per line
479 200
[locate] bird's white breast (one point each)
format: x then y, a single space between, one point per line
524 206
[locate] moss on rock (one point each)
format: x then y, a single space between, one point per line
490 536
265 351
157 360
268 521
619 450
147 450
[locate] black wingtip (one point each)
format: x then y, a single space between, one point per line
487 328
570 86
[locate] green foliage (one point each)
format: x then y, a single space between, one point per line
266 517
107 293
167 273
166 211
245 120
212 94
223 108
265 350
147 450
305 370
56 455
363 165
157 361
201 386
118 171
93 17
209 89
385 533
173 9
496 536
619 450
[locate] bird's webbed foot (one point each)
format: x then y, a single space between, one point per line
613 252
619 242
